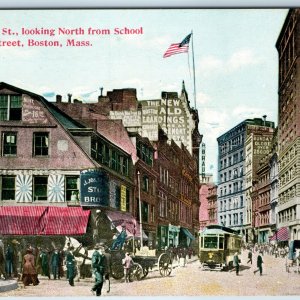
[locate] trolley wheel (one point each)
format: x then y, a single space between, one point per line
117 270
164 264
136 272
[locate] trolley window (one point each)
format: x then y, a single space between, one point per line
211 242
221 242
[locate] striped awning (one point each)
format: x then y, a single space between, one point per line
66 221
43 220
281 235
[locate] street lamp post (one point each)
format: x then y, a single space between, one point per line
140 208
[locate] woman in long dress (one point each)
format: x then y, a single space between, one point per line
29 272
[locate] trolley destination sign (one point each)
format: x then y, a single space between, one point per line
94 189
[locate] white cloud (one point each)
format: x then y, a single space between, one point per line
244 57
203 98
239 59
211 64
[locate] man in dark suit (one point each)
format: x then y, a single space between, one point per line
259 264
98 265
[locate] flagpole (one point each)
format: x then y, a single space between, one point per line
194 76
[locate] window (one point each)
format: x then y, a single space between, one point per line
152 213
211 242
241 218
40 144
9 142
10 107
114 158
145 153
8 188
72 190
221 242
125 166
145 185
40 187
145 211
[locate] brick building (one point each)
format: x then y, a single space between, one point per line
43 155
288 47
171 126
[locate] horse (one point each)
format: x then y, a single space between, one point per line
83 256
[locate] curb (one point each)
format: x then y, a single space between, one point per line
8 285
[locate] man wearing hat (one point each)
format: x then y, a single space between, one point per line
55 260
99 266
70 263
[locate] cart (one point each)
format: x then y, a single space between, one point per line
144 260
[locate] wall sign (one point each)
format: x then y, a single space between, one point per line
94 188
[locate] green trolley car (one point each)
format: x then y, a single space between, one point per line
217 246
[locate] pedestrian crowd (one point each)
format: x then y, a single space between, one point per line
26 263
270 249
180 254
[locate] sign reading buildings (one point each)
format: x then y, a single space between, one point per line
172 115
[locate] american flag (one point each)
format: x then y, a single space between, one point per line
179 47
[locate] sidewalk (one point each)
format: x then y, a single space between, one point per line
8 285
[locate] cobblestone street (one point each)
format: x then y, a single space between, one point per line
186 281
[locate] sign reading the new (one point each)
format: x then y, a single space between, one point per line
94 188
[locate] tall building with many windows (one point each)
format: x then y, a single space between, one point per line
233 206
288 47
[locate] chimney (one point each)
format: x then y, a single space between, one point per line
264 119
69 98
58 98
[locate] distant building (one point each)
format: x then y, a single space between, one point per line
206 199
212 205
252 137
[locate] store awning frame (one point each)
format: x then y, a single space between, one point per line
188 233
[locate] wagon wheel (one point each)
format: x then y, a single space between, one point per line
164 264
136 272
117 270
145 272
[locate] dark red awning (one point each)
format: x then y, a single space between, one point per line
125 219
43 220
281 235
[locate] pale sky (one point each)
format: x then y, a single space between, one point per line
236 61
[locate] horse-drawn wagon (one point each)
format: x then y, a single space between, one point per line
144 261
